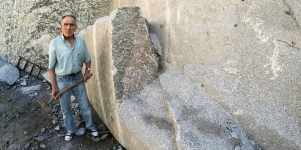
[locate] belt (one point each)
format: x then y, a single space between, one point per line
72 74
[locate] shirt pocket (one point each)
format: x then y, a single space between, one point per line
80 59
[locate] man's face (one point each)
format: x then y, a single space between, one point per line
68 26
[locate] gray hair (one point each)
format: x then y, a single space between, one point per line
63 17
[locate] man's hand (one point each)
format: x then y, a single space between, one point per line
54 93
55 90
87 76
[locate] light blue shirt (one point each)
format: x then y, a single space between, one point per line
66 59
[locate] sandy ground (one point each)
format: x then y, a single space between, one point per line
22 120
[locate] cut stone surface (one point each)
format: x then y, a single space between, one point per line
123 61
145 112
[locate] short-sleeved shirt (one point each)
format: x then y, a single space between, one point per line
66 59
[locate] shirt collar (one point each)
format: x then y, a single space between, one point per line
64 40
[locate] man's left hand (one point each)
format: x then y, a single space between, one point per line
87 76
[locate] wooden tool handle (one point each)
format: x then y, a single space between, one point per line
66 89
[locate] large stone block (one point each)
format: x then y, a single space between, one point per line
246 54
123 63
171 112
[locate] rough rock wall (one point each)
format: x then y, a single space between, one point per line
27 26
246 54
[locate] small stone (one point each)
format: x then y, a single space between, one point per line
102 127
95 139
36 134
48 88
57 128
27 146
33 109
55 121
17 115
43 146
41 138
13 146
80 131
77 123
23 82
105 136
237 148
43 130
118 148
72 98
25 132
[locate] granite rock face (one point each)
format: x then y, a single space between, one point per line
133 53
27 26
246 55
146 112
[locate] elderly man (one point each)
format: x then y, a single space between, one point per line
67 54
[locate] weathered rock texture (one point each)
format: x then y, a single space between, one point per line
173 112
124 62
246 55
27 26
133 55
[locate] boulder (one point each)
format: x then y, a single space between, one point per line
9 74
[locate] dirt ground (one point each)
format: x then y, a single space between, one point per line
22 120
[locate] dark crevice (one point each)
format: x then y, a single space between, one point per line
290 44
292 13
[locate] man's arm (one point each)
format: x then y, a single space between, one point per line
87 74
55 90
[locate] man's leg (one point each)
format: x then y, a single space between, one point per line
65 99
80 94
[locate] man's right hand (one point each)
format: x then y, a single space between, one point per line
54 93
55 90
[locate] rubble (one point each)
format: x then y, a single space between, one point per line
22 119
